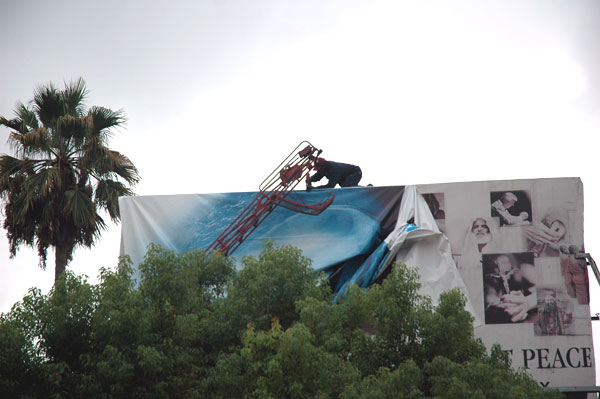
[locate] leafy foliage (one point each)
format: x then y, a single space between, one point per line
269 287
194 328
62 173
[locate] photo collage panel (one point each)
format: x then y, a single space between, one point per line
504 252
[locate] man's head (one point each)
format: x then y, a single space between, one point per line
319 163
480 228
509 199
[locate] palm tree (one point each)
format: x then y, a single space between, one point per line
62 173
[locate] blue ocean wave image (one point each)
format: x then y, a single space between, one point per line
340 232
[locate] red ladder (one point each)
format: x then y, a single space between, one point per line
274 191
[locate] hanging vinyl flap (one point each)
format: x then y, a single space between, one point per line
422 246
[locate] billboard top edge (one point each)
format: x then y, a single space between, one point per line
422 185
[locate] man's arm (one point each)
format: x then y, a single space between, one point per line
317 176
503 212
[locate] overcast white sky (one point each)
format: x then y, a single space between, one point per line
218 92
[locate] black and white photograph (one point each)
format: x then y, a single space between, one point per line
509 288
545 237
574 272
512 208
480 236
436 204
555 313
435 201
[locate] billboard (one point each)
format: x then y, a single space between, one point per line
509 245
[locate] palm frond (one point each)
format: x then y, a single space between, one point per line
80 207
10 167
25 120
107 196
6 175
105 119
18 232
47 216
23 206
42 247
88 235
32 143
49 226
72 127
47 104
117 164
15 123
93 153
73 97
27 115
15 141
44 181
105 163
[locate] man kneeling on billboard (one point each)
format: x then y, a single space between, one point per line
344 174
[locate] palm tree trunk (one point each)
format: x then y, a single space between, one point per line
60 261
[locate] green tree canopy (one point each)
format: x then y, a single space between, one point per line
62 173
193 327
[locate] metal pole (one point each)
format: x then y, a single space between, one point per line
590 262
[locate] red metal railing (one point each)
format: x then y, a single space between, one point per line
274 191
